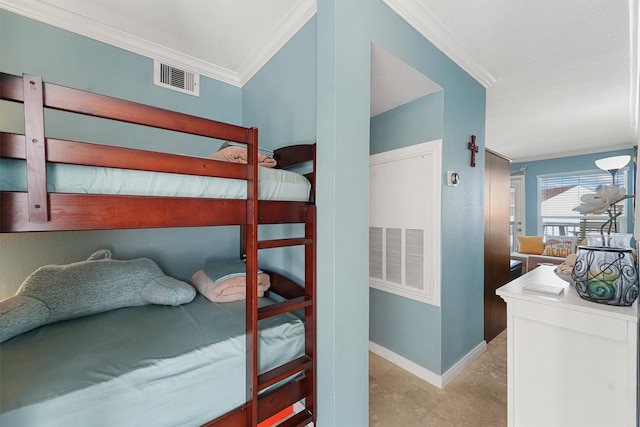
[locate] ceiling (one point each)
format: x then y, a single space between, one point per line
563 71
561 76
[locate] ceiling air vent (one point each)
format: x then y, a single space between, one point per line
175 78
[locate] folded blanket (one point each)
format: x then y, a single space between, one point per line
239 155
225 281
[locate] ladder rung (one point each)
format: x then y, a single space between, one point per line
284 307
280 243
284 371
300 419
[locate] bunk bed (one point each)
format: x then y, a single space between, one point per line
272 382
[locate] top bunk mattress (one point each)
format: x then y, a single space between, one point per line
273 184
149 365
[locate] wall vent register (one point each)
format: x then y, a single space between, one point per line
404 221
175 78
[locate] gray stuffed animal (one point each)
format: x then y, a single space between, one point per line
59 292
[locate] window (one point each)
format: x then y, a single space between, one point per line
516 211
558 194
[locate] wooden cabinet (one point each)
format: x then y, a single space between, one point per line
496 241
571 362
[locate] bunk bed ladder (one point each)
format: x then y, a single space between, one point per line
300 372
305 366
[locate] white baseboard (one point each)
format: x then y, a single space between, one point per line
432 378
463 363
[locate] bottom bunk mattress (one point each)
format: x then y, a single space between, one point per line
150 365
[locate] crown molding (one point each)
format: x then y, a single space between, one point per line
426 24
66 20
302 12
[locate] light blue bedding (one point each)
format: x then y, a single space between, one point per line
273 184
149 365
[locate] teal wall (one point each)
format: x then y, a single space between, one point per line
418 121
70 60
287 85
343 203
438 337
65 58
584 162
413 123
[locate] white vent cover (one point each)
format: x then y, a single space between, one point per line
404 221
175 78
396 256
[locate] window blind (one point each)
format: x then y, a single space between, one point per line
559 194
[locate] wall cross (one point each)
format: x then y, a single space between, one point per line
474 149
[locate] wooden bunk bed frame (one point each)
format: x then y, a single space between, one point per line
38 210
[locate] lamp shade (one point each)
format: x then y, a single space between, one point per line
613 163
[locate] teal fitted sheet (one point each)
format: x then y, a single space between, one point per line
149 365
273 184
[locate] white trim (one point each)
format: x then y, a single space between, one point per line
431 292
66 20
290 25
634 101
520 207
406 292
440 381
464 363
420 18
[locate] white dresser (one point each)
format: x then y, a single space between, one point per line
571 362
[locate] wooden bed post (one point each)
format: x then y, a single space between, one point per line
310 312
35 148
251 247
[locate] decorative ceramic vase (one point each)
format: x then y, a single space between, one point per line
606 275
